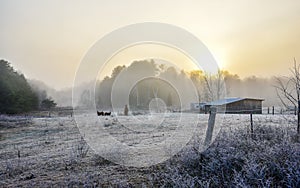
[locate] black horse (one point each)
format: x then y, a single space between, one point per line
103 113
100 113
107 113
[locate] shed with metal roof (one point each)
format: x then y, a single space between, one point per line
237 105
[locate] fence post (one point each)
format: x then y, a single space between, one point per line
251 123
268 110
298 117
126 110
211 124
273 110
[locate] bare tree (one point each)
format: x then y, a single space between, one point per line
215 85
209 92
288 90
209 86
196 77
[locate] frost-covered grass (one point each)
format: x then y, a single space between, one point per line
268 158
50 152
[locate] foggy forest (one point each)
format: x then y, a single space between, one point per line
234 85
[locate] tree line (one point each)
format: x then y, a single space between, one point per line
209 87
16 95
144 80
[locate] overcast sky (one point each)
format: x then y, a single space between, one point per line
47 39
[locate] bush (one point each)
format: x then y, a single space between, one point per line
47 103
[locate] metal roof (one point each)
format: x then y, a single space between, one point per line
228 101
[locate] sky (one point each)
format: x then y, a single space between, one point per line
46 40
161 54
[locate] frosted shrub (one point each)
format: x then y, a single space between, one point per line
235 159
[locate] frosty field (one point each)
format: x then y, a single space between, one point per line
50 151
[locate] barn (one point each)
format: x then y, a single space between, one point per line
237 105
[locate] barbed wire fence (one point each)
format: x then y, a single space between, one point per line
286 114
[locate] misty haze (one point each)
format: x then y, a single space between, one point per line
235 86
149 94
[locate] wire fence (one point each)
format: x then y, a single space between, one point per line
273 110
285 113
280 110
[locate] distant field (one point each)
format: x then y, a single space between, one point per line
50 151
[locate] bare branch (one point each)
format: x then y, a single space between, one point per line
282 91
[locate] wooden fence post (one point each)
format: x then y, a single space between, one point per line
211 124
251 123
126 110
273 110
268 110
298 118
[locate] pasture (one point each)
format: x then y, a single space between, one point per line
50 151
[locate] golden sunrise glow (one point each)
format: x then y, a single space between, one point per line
46 40
148 51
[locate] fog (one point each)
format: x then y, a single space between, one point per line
142 81
61 97
47 38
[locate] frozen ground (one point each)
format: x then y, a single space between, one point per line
52 152
142 140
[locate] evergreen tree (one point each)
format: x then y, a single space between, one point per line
16 94
48 103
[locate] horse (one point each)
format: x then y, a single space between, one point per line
107 113
100 113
